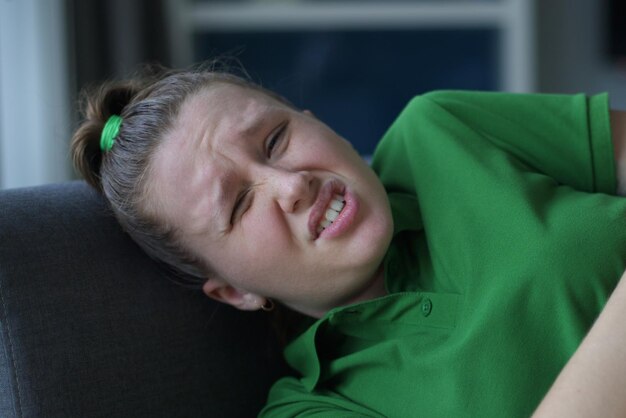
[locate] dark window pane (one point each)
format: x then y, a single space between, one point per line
358 81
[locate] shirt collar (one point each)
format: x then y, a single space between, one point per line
406 212
301 354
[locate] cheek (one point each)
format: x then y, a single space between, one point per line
331 154
262 244
262 272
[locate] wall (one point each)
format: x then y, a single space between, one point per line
573 51
34 104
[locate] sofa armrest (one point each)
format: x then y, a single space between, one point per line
89 325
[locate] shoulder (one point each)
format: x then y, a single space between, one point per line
458 102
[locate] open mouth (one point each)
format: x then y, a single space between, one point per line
329 203
334 211
335 207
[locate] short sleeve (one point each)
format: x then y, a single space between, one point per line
493 175
566 137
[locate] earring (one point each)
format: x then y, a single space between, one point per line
268 306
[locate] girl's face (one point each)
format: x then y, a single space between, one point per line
250 184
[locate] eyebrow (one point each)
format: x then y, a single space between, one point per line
255 126
223 203
252 129
225 185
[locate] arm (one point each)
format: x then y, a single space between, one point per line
593 383
565 137
618 128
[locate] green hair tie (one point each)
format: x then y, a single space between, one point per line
109 132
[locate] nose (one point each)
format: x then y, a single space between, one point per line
291 189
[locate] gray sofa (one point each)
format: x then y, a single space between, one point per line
90 327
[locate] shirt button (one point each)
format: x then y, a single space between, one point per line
427 307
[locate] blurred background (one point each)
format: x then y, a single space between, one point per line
354 63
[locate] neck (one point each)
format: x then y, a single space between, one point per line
374 289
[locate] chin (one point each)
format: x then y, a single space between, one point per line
373 246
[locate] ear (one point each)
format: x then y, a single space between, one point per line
221 291
308 112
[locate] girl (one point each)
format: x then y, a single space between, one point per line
454 277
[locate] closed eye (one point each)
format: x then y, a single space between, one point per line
243 202
275 140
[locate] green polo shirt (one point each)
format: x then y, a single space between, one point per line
508 241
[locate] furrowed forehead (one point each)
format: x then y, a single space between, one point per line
196 165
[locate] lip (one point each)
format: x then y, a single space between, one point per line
345 218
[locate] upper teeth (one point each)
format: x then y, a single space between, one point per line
336 205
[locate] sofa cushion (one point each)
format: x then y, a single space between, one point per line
90 326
